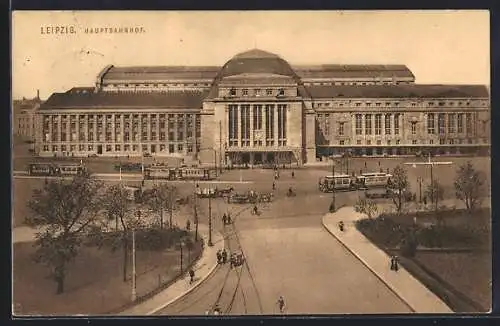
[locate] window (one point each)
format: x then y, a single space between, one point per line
326 125
387 124
358 142
413 128
269 91
368 142
451 123
468 123
430 124
282 111
54 148
396 123
180 147
389 142
108 148
398 141
244 91
232 92
281 92
451 142
171 148
414 142
45 148
431 141
257 92
341 129
269 110
441 141
117 148
379 142
359 124
245 125
460 123
233 125
378 124
257 117
341 142
126 148
441 123
368 124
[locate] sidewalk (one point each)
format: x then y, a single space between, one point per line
205 266
402 283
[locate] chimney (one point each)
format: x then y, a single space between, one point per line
38 94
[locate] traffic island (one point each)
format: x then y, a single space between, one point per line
413 293
203 268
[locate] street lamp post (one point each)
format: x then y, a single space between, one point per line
332 206
420 180
181 244
134 284
210 244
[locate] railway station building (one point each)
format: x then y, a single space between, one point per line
257 108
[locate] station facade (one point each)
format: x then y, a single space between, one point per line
258 108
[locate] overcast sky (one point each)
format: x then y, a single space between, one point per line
440 47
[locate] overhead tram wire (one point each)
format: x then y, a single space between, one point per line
226 237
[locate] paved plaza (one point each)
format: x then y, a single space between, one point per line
288 250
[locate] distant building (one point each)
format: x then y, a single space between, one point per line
257 108
24 112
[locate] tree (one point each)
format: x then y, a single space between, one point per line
435 193
400 185
65 212
469 185
366 206
162 197
118 206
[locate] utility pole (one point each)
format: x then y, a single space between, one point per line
332 208
134 285
419 180
220 146
210 221
215 161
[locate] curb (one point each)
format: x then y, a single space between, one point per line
197 284
366 265
201 280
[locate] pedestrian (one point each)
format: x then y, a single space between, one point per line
191 276
219 257
274 186
281 304
293 174
392 263
224 256
387 170
396 263
224 219
188 225
425 200
229 221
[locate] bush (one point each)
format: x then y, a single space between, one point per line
409 245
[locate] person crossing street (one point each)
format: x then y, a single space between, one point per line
281 304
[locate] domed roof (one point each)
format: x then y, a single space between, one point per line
256 61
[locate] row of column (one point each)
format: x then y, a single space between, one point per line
393 118
241 109
117 135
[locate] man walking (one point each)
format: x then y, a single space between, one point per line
281 304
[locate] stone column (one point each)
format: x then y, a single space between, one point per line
113 133
240 130
275 123
122 130
251 127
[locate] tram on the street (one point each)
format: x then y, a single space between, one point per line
56 169
339 182
184 173
71 169
42 169
373 180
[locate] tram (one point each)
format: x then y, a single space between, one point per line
373 180
342 182
42 169
183 173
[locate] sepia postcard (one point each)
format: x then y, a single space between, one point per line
250 163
